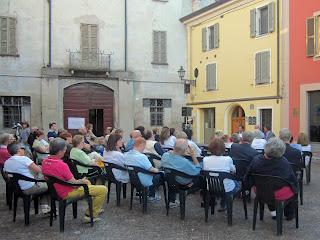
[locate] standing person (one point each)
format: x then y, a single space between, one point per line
25 132
268 133
54 166
52 133
5 140
240 130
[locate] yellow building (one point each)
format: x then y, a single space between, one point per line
235 47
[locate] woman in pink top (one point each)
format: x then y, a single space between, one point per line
5 140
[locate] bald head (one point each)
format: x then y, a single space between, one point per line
181 146
139 144
135 134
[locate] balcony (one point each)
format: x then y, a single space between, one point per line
89 61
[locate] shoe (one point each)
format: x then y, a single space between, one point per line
174 204
45 209
88 219
101 211
222 209
154 199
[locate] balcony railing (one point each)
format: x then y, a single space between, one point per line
91 61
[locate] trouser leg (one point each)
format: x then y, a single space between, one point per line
157 181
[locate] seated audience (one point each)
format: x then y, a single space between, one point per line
275 164
257 129
54 166
151 145
87 142
226 141
23 165
90 133
133 136
166 139
78 154
41 146
135 157
240 130
295 145
25 132
5 140
113 154
235 138
32 137
68 138
175 160
291 154
156 133
220 163
305 145
183 135
141 129
52 133
258 142
99 145
243 151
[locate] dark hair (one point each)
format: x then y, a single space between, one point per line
112 142
141 129
65 135
51 124
57 145
148 135
25 123
267 127
172 130
217 147
38 133
13 148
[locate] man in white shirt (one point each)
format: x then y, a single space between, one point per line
23 165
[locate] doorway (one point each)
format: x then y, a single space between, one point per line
237 119
96 119
209 124
314 116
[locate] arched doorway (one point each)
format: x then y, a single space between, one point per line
88 103
237 119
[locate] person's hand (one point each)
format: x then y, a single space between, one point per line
191 151
85 181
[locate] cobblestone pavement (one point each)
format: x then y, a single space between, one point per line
121 223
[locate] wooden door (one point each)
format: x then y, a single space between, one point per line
209 124
237 119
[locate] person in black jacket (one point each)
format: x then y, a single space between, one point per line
293 155
243 151
273 163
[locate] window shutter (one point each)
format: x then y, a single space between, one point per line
204 39
271 9
258 68
85 41
12 36
310 37
4 36
163 47
146 102
156 47
167 103
253 23
93 42
265 67
216 36
211 76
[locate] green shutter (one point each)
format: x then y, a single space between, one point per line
253 27
271 19
204 39
216 36
310 37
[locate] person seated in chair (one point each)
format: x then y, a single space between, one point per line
5 140
175 160
292 154
274 163
23 165
220 163
135 157
244 151
54 166
41 146
133 136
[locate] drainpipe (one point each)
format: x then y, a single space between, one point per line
278 51
50 33
125 35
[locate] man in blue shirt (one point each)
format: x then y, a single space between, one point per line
135 157
52 134
134 134
176 160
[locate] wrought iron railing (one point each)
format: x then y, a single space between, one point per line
85 60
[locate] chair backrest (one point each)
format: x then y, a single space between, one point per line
134 177
266 185
303 158
297 170
227 152
73 168
16 177
109 174
151 157
241 167
52 191
171 178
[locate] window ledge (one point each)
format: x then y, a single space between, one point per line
316 58
9 55
211 90
154 63
262 84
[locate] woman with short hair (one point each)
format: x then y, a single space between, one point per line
258 142
303 140
41 146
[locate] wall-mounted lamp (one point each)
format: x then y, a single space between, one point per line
182 73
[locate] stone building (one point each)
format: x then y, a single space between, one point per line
111 63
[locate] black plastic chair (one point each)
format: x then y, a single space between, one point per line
265 187
136 184
176 187
111 179
9 189
227 152
241 170
17 192
215 189
261 151
298 171
152 157
306 154
92 176
63 203
167 149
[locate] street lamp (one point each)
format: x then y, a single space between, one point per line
182 73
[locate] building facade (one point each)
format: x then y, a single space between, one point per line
236 54
110 63
305 68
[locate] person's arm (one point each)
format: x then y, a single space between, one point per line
35 168
154 170
77 181
192 153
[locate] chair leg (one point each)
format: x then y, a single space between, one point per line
118 193
36 204
309 173
144 200
26 208
206 204
229 210
213 203
244 200
131 197
15 203
261 213
301 191
124 187
52 211
279 210
75 210
255 210
109 190
90 205
62 210
182 197
297 214
165 196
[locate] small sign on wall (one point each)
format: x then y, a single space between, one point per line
252 120
76 123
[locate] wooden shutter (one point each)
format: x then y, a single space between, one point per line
93 42
258 68
163 47
310 37
253 28
265 67
3 35
216 36
12 36
204 39
85 41
211 76
271 10
156 47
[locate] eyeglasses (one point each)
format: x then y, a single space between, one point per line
23 148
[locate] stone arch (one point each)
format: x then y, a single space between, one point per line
233 117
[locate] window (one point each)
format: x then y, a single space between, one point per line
210 37
314 116
262 20
157 107
313 36
15 109
265 117
159 47
89 42
8 36
262 68
211 76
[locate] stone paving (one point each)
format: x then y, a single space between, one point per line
121 223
